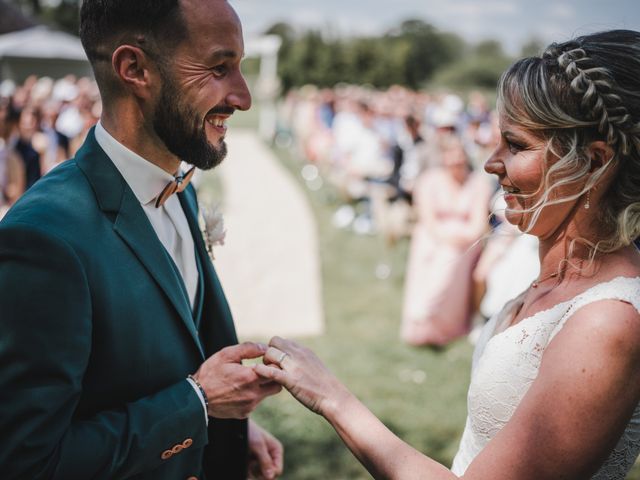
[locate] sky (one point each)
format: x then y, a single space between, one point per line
513 22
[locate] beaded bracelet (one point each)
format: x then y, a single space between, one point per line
204 394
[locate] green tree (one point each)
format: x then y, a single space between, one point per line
33 7
414 54
63 14
532 47
287 35
480 68
489 48
338 64
428 50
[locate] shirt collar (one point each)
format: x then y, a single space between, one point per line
145 179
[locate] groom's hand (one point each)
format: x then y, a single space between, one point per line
265 454
233 390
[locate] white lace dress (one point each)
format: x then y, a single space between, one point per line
506 364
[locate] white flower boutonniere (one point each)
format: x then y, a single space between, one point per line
212 226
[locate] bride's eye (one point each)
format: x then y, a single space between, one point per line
514 147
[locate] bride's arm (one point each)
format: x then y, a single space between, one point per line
382 453
564 428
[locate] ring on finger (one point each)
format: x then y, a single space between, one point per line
283 355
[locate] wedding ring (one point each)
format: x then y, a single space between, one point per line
282 357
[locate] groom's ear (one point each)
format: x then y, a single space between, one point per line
136 71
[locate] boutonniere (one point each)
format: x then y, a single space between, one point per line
212 226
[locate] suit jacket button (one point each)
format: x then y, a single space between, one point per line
177 448
187 443
166 455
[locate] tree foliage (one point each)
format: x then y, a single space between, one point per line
412 54
63 14
481 68
428 50
533 47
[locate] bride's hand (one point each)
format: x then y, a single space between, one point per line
303 374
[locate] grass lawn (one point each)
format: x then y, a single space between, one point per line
418 393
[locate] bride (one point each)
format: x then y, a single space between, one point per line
555 383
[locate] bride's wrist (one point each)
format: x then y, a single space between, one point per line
336 404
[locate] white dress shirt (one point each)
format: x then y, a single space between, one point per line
147 180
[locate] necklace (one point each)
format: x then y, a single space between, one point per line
562 268
539 280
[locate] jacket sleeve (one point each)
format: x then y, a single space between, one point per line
45 346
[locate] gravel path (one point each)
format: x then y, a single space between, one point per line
269 265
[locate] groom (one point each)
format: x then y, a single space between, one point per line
118 354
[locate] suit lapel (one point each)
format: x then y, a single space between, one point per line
132 225
134 228
199 301
188 203
224 331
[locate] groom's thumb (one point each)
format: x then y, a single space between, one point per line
237 353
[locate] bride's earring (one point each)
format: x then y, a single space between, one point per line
587 204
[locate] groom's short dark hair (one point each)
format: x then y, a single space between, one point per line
101 21
106 24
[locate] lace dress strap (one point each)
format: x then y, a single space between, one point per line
624 289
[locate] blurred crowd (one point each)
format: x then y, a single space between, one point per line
42 123
409 164
404 164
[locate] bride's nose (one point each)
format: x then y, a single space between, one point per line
494 164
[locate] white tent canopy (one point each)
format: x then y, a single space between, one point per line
41 51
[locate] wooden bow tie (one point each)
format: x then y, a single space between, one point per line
177 185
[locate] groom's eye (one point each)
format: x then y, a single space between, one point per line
220 70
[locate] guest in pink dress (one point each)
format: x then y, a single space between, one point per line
451 203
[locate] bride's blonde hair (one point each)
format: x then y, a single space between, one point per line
576 93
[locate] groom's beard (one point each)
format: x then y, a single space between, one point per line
182 131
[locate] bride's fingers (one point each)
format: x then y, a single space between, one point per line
271 355
275 356
282 344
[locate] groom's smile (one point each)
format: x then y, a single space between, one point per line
202 85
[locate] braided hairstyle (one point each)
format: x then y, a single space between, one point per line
576 93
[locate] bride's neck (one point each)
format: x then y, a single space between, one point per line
568 255
571 245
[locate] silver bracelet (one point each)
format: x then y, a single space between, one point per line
204 394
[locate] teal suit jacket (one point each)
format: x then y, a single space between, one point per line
97 338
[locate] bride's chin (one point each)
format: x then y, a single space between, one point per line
519 220
513 217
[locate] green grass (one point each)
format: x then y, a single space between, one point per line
362 347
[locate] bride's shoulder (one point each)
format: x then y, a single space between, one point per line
617 278
609 309
622 287
613 315
607 314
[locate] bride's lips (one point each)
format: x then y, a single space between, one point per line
509 191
